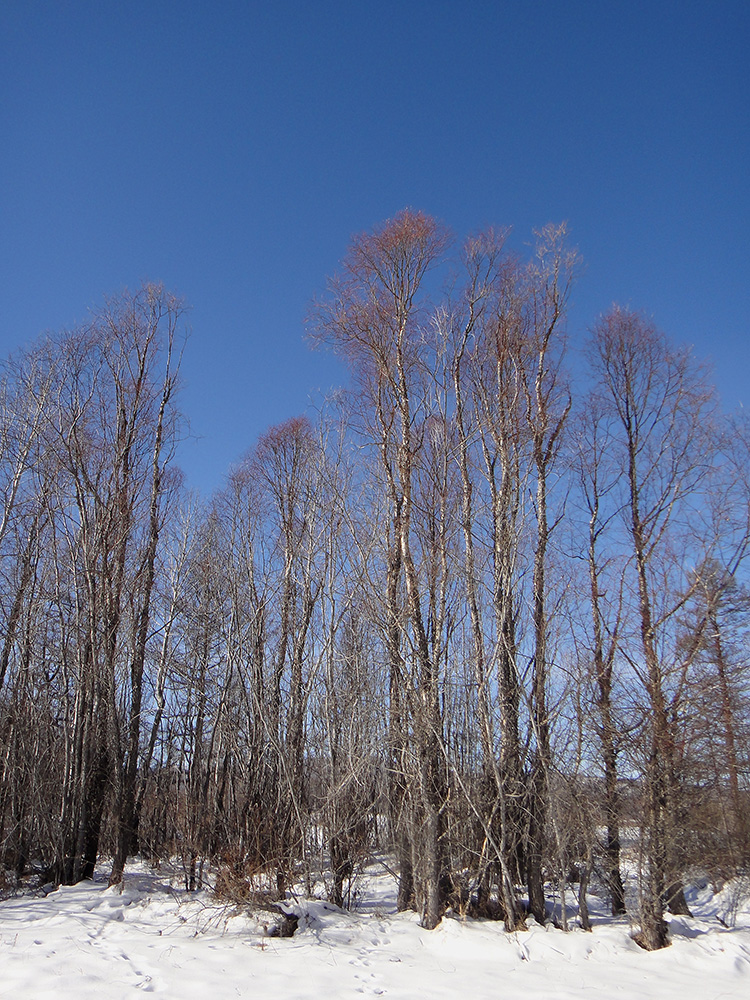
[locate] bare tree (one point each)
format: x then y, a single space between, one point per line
598 480
284 459
547 404
661 404
105 420
372 317
484 377
143 331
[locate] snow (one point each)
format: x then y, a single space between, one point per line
92 941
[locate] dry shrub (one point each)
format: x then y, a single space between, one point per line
240 880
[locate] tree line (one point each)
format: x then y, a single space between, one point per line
470 616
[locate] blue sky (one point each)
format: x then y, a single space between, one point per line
231 150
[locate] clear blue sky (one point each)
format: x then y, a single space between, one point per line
231 149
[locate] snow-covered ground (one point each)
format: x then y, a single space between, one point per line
91 941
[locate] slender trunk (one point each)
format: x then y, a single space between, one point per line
127 828
429 883
398 748
654 928
583 905
603 663
541 760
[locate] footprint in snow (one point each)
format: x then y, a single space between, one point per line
368 986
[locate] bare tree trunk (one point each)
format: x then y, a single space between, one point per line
127 826
547 408
485 266
662 405
593 456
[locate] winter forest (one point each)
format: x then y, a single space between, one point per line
485 614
